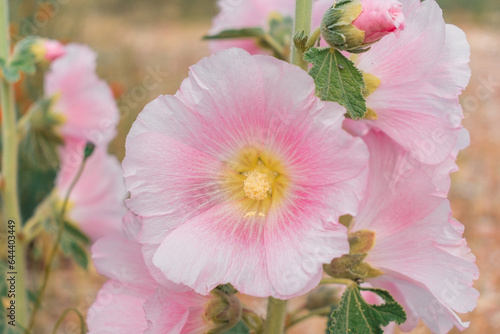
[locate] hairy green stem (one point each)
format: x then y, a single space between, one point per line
303 14
313 39
10 168
53 251
276 313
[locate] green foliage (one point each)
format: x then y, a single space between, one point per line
355 316
281 29
34 185
73 244
240 328
22 60
337 79
238 33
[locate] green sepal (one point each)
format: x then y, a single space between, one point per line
355 315
337 28
22 60
300 40
240 328
337 79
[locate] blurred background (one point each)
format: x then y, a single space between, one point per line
140 41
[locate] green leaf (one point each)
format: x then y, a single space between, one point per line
238 33
73 244
11 74
355 316
337 79
79 255
76 233
240 328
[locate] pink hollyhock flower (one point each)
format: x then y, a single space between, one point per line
96 203
132 301
241 176
239 14
425 263
379 18
413 83
85 102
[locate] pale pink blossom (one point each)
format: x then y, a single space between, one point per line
132 301
84 101
239 14
96 203
426 264
241 176
421 75
379 18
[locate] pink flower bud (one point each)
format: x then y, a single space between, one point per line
379 18
53 49
353 25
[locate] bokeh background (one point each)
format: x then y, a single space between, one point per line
158 40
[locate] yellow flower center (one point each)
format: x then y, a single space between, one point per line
256 185
256 181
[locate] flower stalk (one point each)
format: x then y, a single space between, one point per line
276 309
53 252
303 15
10 168
276 313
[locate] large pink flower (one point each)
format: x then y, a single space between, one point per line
239 14
426 264
96 203
84 101
241 177
415 81
132 301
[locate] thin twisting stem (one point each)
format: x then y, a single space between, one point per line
83 328
10 168
53 251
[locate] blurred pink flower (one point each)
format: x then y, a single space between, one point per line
426 264
241 176
132 301
414 82
53 49
239 14
96 203
84 101
380 18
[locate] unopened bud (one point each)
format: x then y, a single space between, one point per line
224 311
353 25
47 50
